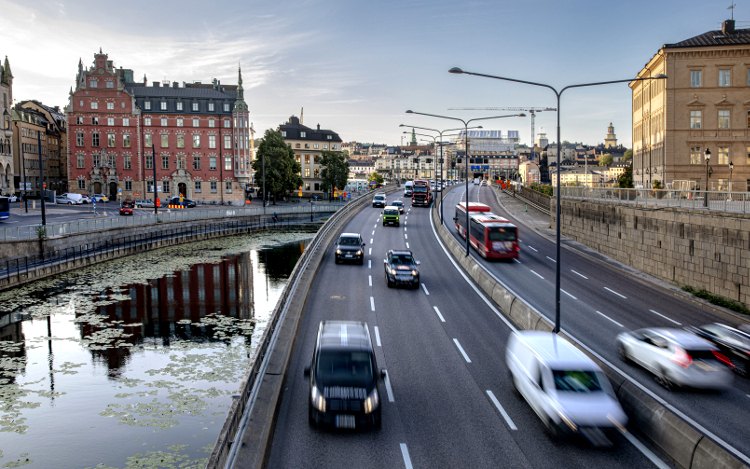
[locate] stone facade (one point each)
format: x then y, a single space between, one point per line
6 130
308 146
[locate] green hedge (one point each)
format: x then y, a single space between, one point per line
718 300
545 189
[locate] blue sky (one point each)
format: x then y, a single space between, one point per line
356 66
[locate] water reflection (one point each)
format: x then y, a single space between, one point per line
96 374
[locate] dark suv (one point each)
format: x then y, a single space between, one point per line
401 268
350 248
344 377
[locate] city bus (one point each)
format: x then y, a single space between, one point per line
491 235
4 208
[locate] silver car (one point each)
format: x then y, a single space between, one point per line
676 357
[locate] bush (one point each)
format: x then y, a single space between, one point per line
718 300
545 189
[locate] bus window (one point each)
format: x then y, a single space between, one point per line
502 234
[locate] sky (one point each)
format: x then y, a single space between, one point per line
356 66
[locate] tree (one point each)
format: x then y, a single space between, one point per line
281 168
628 156
626 178
376 177
605 159
335 171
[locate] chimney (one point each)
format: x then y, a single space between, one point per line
175 84
727 27
156 84
318 126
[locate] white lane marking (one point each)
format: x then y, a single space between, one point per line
375 226
425 289
517 261
442 319
406 236
373 232
642 448
748 395
407 245
377 336
568 294
372 304
461 349
369 263
405 455
388 388
369 279
579 274
370 240
536 274
668 319
605 316
502 411
551 259
369 253
404 227
532 248
618 294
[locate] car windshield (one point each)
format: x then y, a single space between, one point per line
391 212
576 381
401 259
348 241
344 368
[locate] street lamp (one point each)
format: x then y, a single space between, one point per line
707 155
731 168
458 70
466 149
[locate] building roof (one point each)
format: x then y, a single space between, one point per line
140 90
727 36
293 129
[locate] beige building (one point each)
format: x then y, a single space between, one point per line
308 145
703 105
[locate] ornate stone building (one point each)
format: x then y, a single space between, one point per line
6 129
192 139
704 104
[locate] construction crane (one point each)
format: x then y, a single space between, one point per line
531 110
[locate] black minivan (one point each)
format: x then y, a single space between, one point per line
344 377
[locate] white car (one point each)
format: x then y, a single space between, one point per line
676 357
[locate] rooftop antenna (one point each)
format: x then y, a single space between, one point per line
731 7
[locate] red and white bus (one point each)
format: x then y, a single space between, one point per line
491 235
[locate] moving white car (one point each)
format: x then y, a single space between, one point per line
564 387
676 357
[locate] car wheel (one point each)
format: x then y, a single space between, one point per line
663 379
311 416
741 368
361 261
377 420
388 281
552 429
623 353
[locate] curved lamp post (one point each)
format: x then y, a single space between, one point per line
466 150
458 70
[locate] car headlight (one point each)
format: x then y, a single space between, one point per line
414 273
359 252
391 271
338 251
317 399
372 401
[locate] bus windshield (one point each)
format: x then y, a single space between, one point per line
502 234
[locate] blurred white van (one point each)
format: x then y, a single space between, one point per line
564 387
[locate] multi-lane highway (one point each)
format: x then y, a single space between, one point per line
447 401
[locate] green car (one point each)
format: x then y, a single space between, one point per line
390 215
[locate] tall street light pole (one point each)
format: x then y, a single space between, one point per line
42 185
458 70
466 149
153 167
707 155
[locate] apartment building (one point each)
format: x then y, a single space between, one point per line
308 146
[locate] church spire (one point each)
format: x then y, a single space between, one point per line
6 69
239 103
413 137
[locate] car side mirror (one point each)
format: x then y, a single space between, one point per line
417 262
307 371
383 373
385 261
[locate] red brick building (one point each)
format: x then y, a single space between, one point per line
194 137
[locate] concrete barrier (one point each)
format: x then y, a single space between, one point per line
689 448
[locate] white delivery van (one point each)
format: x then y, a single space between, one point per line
564 387
76 198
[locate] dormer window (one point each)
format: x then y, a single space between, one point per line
303 134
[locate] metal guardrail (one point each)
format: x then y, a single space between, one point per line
718 201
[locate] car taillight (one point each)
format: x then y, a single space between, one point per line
723 358
682 358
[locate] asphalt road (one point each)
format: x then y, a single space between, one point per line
447 401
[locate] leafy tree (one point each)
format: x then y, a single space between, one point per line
626 179
281 168
335 171
605 159
375 176
628 156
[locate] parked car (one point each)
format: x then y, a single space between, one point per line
12 198
344 377
85 199
350 248
401 268
99 198
733 343
144 203
565 388
76 198
185 201
676 357
126 208
63 199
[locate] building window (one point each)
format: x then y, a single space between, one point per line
316 146
197 186
163 121
109 84
127 162
148 140
79 120
747 152
79 139
211 123
226 123
147 105
722 155
125 121
92 83
227 163
94 105
302 134
96 160
110 140
227 142
128 185
180 141
195 106
179 105
163 105
226 107
180 122
696 155
95 139
197 162
213 186
196 141
283 133
212 141
147 121
696 78
80 161
180 162
95 120
212 163
164 140
748 119
149 161
307 172
724 118
126 140
110 121
210 107
196 122
164 162
227 186
82 184
110 106
165 187
329 137
725 77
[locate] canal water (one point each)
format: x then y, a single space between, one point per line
133 363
